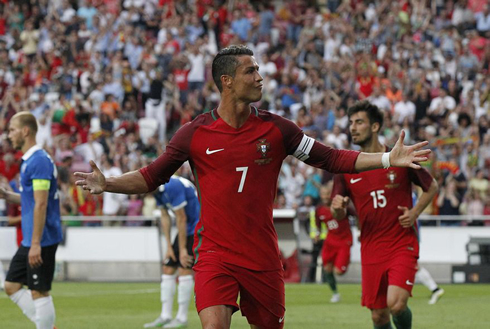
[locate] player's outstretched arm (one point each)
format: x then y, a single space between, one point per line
95 182
400 156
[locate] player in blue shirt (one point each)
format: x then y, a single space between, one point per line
178 196
33 264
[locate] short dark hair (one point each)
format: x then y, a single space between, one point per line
225 62
373 112
26 119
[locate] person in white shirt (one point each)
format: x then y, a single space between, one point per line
198 66
441 104
377 98
404 109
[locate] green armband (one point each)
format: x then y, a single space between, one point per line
41 184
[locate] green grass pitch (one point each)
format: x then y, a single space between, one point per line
130 305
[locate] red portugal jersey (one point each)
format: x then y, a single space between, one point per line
376 196
236 172
338 230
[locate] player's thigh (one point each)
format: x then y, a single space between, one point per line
216 317
41 278
17 272
262 298
176 249
374 285
397 299
215 285
342 260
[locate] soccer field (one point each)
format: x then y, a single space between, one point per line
130 305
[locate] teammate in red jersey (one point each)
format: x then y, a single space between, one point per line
236 152
336 248
389 237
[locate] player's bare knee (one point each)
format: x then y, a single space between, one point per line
39 294
398 308
12 287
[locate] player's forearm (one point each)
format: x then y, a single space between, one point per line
182 229
39 222
165 221
129 183
12 197
426 198
368 161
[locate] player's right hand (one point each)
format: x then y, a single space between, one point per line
93 182
185 259
339 202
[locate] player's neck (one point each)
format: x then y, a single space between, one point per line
373 146
233 113
28 144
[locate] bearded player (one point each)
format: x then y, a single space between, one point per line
389 237
236 152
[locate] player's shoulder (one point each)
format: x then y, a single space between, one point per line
269 116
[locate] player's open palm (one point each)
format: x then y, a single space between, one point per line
408 155
185 259
93 182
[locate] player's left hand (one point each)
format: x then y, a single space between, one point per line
408 155
185 259
35 259
407 219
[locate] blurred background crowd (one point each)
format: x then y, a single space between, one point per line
112 80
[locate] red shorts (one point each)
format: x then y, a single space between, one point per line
399 271
262 296
338 253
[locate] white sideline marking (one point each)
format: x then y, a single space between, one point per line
99 293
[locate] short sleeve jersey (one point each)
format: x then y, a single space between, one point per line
37 164
236 173
180 193
376 196
338 230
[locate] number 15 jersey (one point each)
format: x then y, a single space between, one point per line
236 172
376 195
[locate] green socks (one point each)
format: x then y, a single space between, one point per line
404 320
330 278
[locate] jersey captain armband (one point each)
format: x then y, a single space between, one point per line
304 148
41 184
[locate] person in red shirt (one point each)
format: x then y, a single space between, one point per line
389 234
236 152
336 247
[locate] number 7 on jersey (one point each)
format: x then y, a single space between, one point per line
242 180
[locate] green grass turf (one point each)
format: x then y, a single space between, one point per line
130 305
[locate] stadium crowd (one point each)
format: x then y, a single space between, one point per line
113 80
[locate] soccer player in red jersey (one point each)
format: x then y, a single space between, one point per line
336 248
389 236
236 152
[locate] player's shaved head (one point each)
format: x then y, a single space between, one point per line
26 119
226 62
373 112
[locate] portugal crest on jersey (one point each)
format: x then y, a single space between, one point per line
392 176
263 147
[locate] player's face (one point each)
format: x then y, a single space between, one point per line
247 84
16 135
325 194
360 128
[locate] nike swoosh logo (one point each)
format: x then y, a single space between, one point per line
208 151
409 283
353 181
281 319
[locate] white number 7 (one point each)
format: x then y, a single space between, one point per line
242 181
